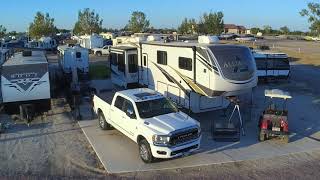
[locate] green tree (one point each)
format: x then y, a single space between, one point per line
255 30
42 25
188 26
88 22
3 31
267 29
285 30
313 14
138 22
211 23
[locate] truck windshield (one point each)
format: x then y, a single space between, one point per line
156 107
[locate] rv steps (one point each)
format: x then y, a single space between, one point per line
225 132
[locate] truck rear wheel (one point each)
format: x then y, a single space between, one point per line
98 53
103 123
145 151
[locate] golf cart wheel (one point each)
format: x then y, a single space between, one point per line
285 139
103 123
262 136
145 151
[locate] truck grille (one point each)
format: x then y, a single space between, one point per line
185 136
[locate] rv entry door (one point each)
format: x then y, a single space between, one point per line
144 69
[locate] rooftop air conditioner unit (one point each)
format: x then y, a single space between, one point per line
153 38
208 39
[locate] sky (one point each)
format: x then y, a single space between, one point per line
17 14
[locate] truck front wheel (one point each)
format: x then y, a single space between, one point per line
103 123
145 151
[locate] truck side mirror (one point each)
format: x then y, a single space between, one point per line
130 114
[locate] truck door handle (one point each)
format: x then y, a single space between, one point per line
123 117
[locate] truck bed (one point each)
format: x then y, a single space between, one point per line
108 93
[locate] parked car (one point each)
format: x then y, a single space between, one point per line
246 37
101 51
150 120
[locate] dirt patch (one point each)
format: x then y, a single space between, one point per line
51 146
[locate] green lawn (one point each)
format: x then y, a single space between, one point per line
99 72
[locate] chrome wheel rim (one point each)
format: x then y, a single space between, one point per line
101 121
143 152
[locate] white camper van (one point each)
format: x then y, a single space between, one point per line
91 41
197 76
75 56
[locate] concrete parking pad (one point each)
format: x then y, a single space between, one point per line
119 154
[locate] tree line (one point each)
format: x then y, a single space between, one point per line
209 23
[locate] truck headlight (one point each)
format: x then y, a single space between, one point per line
161 140
199 131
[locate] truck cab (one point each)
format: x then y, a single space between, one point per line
150 120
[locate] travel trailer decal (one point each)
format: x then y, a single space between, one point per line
191 84
171 79
24 78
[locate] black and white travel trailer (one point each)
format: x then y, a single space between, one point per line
270 64
197 76
25 84
74 57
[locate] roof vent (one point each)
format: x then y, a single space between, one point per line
26 53
208 39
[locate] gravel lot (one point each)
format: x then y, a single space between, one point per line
55 147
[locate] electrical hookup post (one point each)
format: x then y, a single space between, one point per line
231 126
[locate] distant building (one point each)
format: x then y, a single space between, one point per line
235 29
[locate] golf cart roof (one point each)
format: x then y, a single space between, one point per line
277 93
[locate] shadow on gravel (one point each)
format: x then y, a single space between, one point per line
38 135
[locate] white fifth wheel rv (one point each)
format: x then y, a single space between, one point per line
25 80
270 64
197 76
75 56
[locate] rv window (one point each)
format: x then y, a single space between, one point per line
133 63
145 61
121 63
202 54
113 59
119 102
261 64
78 55
162 57
185 63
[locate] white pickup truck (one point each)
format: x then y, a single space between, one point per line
101 51
150 120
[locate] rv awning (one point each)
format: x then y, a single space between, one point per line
277 93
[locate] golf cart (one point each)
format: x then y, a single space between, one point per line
274 121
